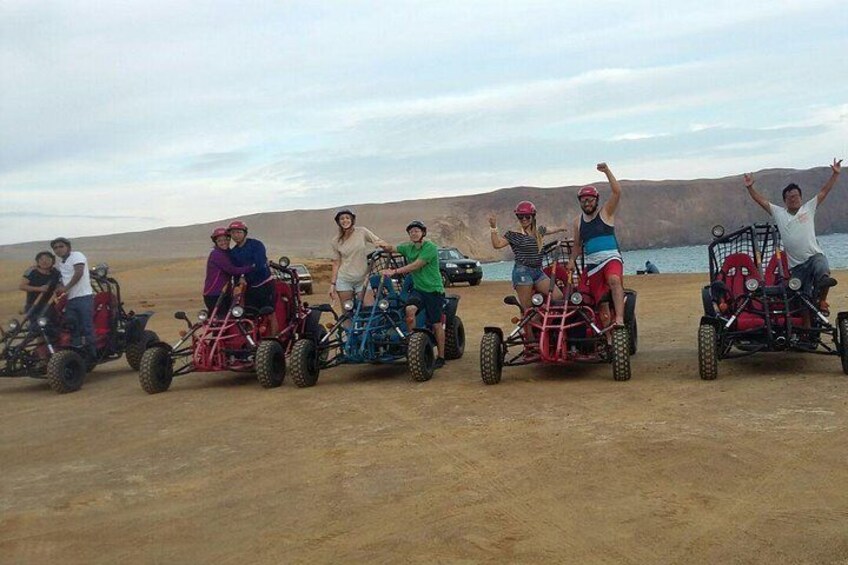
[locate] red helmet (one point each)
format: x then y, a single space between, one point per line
525 207
218 232
588 191
237 225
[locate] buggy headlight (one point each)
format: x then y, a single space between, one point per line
348 305
14 325
237 311
718 231
795 283
537 299
42 322
203 315
383 304
752 285
576 298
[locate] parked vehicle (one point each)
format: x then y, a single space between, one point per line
304 278
237 338
40 345
753 305
377 333
561 331
456 267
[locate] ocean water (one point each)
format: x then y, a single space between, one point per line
689 259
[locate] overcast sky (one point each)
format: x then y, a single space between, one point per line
125 116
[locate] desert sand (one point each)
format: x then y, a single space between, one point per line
555 464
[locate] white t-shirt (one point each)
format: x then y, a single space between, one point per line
66 267
798 231
352 254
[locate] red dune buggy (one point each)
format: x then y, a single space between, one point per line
237 338
561 330
752 304
40 346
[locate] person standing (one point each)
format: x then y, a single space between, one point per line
260 283
796 221
37 280
594 237
76 286
219 271
350 258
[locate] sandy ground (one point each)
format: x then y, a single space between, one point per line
552 465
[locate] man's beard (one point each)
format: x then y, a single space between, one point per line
592 210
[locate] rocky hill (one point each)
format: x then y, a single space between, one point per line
652 214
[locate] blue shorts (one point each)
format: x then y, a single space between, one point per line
527 276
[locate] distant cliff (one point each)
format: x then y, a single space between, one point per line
651 214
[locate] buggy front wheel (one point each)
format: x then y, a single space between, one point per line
708 352
270 363
65 371
419 354
621 354
491 358
303 362
156 371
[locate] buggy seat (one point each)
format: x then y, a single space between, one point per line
736 269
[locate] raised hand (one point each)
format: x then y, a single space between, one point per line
748 179
493 221
603 167
836 167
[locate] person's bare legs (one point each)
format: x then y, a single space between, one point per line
617 289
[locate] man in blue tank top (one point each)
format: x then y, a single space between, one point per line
594 236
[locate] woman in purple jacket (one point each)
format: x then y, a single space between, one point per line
220 270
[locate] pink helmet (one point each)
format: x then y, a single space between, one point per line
237 225
588 191
525 207
218 232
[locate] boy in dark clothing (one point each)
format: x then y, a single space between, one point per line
38 279
260 283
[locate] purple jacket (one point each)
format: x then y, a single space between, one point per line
219 270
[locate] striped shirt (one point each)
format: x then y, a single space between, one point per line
526 248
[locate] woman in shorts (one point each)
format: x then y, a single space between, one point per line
350 258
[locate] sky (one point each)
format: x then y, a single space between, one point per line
129 116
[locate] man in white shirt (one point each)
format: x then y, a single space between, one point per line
76 285
796 222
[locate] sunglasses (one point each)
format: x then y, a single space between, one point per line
524 216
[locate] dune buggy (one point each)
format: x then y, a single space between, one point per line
377 333
752 304
235 338
40 345
561 329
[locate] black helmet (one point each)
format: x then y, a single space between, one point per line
417 224
348 211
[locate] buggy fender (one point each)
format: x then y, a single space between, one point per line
137 324
629 305
493 330
710 321
429 333
451 304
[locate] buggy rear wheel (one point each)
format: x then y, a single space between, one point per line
491 358
137 348
65 371
708 352
621 354
843 343
156 371
420 356
454 338
303 361
633 328
270 363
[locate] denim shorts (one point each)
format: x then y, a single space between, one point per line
523 275
346 286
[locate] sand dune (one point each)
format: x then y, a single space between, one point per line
552 465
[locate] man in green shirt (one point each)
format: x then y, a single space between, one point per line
422 261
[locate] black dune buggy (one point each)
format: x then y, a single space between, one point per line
561 331
753 305
377 333
40 345
235 338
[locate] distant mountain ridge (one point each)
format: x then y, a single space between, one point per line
652 214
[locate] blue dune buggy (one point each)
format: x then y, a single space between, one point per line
377 333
